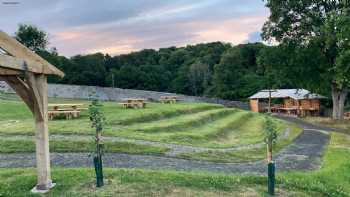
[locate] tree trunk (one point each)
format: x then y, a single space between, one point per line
338 97
98 143
269 153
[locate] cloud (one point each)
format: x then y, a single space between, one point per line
122 26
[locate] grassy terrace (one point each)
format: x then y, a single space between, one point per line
27 146
331 180
195 124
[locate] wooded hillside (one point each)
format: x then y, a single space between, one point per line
212 69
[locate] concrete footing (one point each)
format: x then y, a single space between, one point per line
38 190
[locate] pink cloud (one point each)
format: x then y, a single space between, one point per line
123 39
235 31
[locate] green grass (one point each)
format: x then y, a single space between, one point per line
195 124
218 128
245 155
15 118
27 146
328 122
331 180
180 123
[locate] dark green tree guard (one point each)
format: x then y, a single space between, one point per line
98 169
271 178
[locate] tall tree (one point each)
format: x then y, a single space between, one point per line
321 26
237 76
32 37
198 76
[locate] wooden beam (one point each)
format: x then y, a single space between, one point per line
21 88
36 96
18 64
6 71
16 49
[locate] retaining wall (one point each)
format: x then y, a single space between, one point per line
118 94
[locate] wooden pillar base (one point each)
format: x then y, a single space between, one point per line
42 189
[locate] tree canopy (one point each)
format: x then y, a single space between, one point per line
32 37
315 35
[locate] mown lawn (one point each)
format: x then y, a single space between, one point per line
195 124
60 146
245 155
331 180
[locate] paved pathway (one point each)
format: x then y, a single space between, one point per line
303 154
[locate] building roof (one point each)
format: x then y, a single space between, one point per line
297 94
16 57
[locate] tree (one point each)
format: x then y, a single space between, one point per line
199 77
237 75
88 70
270 133
32 37
315 26
97 119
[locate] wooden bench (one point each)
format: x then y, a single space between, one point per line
68 110
134 105
168 99
67 114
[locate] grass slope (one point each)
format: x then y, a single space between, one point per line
58 146
195 124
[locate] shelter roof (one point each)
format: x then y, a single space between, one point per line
16 57
297 94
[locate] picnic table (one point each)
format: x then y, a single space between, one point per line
281 109
134 103
168 99
69 110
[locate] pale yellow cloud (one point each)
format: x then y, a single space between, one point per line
68 35
120 49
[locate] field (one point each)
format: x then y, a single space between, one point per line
147 131
331 180
201 131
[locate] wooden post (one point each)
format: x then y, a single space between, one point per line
269 110
42 135
34 93
17 61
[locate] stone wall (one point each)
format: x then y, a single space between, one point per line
117 94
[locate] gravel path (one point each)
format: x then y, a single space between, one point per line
303 154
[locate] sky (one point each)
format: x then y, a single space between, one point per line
122 26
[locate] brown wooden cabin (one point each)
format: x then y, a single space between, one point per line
298 102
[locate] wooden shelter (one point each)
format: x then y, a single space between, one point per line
299 102
26 73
